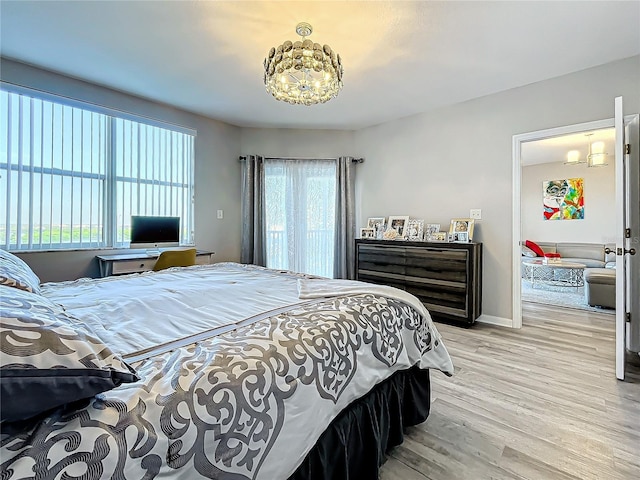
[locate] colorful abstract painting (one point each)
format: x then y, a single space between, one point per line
563 199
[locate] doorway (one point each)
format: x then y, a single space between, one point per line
568 211
545 153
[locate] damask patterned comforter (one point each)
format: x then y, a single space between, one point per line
242 368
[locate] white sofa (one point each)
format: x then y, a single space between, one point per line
590 254
599 274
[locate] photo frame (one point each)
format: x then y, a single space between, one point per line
438 237
430 229
378 225
415 229
367 233
461 237
399 224
464 225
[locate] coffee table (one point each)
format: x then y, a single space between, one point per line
559 274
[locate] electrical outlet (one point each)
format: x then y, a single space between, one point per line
220 214
475 213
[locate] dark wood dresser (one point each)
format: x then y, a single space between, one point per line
446 277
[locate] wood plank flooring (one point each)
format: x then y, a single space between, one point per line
537 403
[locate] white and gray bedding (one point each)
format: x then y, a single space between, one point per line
241 369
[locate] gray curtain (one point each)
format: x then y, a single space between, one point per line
254 245
344 257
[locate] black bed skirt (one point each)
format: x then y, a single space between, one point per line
355 443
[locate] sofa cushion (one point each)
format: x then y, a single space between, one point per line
603 276
593 251
588 262
534 246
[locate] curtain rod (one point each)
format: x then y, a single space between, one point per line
354 160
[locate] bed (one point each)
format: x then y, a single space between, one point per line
226 371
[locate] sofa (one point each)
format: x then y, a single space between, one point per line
590 254
599 274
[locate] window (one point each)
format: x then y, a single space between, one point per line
300 199
71 175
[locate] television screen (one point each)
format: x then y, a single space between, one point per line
155 231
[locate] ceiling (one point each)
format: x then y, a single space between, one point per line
400 58
552 150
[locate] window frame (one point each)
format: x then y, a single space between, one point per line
108 176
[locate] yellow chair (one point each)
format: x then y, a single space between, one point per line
175 258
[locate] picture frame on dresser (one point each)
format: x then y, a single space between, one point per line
430 229
378 225
461 237
462 225
367 232
438 237
415 230
399 224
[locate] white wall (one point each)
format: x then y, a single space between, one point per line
282 142
440 164
599 221
217 172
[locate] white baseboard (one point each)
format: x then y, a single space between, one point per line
493 320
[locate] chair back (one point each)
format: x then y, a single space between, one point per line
175 258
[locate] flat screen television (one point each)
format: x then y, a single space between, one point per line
154 232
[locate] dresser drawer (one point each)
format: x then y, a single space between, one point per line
132 266
446 277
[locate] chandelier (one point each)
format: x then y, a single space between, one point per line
303 72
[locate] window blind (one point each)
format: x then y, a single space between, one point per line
72 177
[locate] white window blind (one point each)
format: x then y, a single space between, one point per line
72 177
153 175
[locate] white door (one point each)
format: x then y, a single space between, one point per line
627 233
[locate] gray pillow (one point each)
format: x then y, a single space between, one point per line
14 272
527 252
49 358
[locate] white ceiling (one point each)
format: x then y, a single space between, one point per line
400 58
552 150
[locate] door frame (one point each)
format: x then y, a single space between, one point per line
518 140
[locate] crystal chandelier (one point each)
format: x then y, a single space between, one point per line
303 72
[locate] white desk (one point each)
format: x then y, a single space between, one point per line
138 262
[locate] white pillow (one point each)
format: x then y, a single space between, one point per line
527 252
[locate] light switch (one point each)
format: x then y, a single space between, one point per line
475 213
220 214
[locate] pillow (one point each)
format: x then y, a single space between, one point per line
527 252
48 358
14 272
535 247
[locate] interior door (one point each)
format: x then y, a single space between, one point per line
627 232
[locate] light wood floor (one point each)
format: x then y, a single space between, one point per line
537 403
